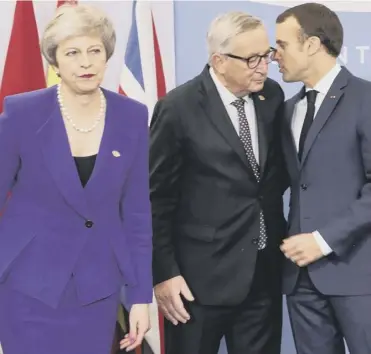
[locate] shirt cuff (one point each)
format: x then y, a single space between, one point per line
325 248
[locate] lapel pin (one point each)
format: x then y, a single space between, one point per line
116 153
332 97
261 98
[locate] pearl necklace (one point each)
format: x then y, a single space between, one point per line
70 120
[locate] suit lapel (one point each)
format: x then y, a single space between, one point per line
215 110
260 105
330 102
56 150
114 157
116 150
289 137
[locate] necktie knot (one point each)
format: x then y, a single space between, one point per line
311 96
239 103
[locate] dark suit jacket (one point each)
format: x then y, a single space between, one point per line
52 227
331 187
205 198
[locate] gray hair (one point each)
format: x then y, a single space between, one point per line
77 20
227 26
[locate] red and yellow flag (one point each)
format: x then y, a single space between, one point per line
23 69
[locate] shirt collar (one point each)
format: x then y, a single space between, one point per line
226 96
324 85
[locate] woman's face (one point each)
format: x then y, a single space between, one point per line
82 63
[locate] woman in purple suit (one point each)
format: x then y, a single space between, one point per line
77 226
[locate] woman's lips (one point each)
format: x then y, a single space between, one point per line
86 76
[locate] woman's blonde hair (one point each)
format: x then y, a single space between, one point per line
77 20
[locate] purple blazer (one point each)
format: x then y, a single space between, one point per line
51 226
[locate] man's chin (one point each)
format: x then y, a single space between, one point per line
257 86
287 78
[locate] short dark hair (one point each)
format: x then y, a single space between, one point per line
319 21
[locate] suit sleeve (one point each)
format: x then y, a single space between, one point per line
137 223
347 230
166 162
9 152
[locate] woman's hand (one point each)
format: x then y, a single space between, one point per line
139 326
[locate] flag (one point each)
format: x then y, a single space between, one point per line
52 78
23 53
148 72
23 69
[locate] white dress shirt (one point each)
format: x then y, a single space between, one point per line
323 86
228 98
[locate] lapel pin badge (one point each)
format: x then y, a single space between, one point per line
116 153
332 97
261 98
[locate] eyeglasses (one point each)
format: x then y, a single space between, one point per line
253 61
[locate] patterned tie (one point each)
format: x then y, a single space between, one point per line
245 137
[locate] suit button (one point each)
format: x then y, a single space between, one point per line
304 187
255 241
89 224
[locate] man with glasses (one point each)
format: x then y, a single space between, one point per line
216 189
327 146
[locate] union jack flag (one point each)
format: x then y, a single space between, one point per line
148 73
149 66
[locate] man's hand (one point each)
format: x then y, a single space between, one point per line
169 301
302 249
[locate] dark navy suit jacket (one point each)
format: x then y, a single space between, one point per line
331 187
